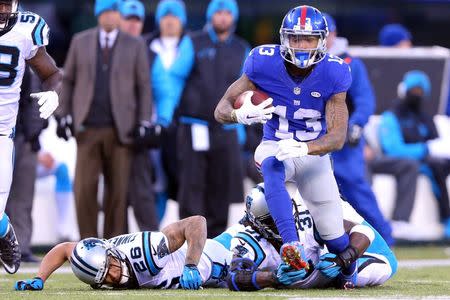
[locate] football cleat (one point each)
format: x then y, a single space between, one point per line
293 254
10 253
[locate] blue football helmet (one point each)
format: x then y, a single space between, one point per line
7 17
301 22
91 260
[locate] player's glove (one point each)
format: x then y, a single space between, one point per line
35 284
48 102
291 148
330 265
249 113
286 275
64 127
354 134
190 278
146 135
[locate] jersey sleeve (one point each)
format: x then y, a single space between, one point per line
244 245
39 34
342 77
249 65
156 251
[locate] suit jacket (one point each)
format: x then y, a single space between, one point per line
129 81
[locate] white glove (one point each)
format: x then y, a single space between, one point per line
249 113
48 102
290 148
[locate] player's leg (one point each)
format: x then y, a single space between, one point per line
318 188
275 174
349 170
9 247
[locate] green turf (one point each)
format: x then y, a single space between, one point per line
406 284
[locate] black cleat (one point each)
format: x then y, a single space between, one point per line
10 251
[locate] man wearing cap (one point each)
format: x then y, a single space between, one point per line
132 17
209 154
169 51
395 35
406 131
349 164
106 106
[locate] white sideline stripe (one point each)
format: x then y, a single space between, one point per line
403 264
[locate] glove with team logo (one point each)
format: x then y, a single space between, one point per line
286 275
249 113
190 278
354 134
291 148
330 265
35 284
48 102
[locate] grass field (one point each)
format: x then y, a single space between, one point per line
411 282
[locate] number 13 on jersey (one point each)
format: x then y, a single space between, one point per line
310 118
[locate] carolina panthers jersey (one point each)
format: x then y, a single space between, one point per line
154 267
18 44
299 102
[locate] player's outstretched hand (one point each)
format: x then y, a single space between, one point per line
287 275
190 278
329 265
249 113
48 102
291 148
35 284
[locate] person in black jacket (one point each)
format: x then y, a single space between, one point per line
209 154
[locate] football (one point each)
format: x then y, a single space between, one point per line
257 98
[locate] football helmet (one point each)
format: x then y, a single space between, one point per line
258 215
299 23
7 17
91 260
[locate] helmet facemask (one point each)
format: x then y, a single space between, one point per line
302 58
7 16
115 259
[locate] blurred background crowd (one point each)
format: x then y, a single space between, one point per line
142 79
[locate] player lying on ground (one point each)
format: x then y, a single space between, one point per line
142 260
257 264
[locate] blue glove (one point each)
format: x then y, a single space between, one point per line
287 275
329 265
35 284
190 278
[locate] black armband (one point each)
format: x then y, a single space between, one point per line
348 256
243 280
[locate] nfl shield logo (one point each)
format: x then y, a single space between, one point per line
297 90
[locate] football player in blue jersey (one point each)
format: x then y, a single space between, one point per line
307 120
23 37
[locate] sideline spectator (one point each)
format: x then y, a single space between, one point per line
407 132
106 92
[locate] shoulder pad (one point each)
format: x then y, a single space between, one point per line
34 27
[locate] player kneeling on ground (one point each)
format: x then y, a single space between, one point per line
257 263
142 260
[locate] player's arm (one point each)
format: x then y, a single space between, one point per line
224 110
191 230
45 67
336 115
360 236
54 259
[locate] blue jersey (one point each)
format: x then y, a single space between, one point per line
299 103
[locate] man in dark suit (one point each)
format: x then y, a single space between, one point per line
106 105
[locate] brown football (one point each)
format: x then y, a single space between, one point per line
257 98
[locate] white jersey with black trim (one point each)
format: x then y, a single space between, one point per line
154 267
17 44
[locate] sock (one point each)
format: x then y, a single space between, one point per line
278 199
63 183
4 225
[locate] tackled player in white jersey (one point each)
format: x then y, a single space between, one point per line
178 256
23 37
256 245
